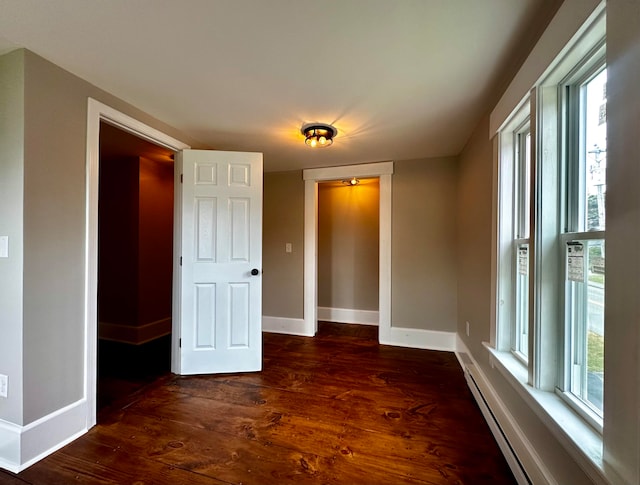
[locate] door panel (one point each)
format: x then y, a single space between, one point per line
221 307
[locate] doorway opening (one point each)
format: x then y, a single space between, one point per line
383 171
348 254
97 113
135 263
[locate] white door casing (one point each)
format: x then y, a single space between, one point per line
221 245
97 112
382 170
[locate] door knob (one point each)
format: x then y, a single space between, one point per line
255 272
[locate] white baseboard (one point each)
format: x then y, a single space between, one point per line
462 352
22 446
289 326
526 465
134 334
418 339
348 315
10 446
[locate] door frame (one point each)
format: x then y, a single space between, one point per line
97 112
382 170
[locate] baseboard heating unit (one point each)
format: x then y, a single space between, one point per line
472 377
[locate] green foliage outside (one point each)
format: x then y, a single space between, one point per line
592 211
595 352
596 278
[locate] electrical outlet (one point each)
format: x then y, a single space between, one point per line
467 322
288 248
4 385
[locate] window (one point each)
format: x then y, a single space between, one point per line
522 186
583 237
552 218
515 210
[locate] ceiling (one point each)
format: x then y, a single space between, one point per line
399 79
118 144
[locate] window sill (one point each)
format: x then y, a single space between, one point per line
577 437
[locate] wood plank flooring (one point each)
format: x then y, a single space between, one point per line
334 409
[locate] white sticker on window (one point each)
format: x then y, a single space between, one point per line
575 261
523 260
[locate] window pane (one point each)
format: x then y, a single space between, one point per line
522 185
585 274
522 302
595 151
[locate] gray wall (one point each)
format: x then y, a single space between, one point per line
622 312
424 265
475 192
348 245
283 222
424 268
11 217
55 114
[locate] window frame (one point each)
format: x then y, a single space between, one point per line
507 181
535 383
522 188
549 114
572 210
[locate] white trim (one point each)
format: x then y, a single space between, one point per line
384 278
568 22
416 338
348 315
310 279
462 352
288 326
348 171
22 446
97 111
384 171
176 308
10 449
495 237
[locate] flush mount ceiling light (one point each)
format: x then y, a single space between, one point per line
318 134
352 181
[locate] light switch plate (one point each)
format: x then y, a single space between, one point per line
4 246
287 248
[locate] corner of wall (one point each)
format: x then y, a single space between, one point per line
12 226
22 446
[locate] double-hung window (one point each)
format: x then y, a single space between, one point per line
521 211
583 236
515 209
552 217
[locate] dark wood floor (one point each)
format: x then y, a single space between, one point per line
335 409
125 368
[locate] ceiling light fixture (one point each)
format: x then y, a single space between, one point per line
318 134
353 181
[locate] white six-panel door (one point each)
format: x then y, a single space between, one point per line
221 245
